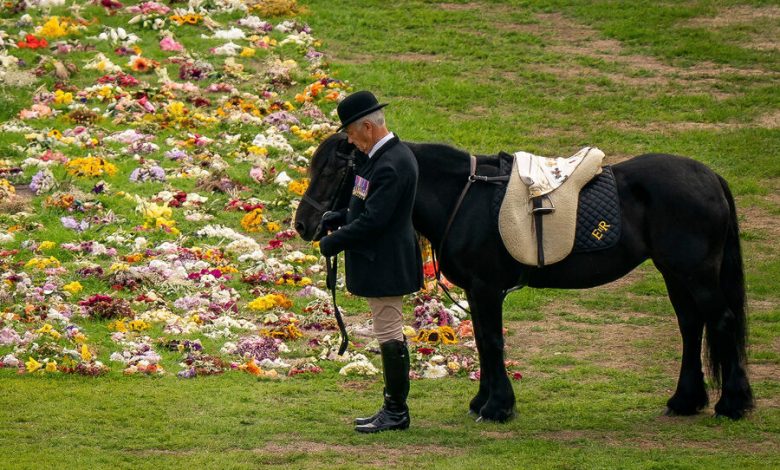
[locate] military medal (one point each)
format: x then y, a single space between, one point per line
361 187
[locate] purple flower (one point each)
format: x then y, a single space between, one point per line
9 337
259 348
176 154
73 224
187 373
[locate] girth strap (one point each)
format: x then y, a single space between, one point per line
472 178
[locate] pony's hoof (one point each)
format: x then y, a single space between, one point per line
734 416
499 416
670 412
473 414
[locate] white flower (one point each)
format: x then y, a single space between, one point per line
229 34
102 64
229 49
359 366
253 22
433 371
10 361
257 256
272 138
282 179
6 238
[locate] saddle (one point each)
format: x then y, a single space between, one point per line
538 215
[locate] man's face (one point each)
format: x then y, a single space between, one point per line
359 134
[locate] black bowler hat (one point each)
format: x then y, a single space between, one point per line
357 105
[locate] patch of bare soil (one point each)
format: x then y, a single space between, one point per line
767 35
570 38
416 57
611 345
770 120
652 440
758 219
367 454
740 14
459 6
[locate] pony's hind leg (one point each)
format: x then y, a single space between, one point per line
726 335
485 302
691 394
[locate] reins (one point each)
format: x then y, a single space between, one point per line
473 177
331 262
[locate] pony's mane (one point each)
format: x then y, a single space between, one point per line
443 157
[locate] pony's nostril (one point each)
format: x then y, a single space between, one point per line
299 227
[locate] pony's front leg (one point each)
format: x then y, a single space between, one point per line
486 308
483 394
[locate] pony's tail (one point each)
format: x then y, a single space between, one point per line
732 285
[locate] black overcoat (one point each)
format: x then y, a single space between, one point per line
382 254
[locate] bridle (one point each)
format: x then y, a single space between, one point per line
331 204
331 262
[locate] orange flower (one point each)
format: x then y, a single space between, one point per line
253 368
143 65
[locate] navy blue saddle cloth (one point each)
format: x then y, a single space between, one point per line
598 214
598 211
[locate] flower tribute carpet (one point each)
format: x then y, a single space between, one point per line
147 189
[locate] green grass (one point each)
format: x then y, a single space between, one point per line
598 364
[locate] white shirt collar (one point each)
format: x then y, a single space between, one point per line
379 144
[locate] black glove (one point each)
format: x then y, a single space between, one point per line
332 220
327 247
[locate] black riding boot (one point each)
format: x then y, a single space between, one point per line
394 414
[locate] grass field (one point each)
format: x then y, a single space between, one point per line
696 78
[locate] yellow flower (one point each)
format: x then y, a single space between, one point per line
447 335
176 108
51 366
151 210
247 52
298 187
73 287
273 226
421 337
32 365
166 225
118 325
85 354
61 97
53 28
43 263
138 325
55 133
44 329
46 245
252 221
90 166
116 267
257 150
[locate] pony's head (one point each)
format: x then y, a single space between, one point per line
331 169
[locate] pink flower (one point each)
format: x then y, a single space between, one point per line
144 102
170 44
256 174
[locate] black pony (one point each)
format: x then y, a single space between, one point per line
675 211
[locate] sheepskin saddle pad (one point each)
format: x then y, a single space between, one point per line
538 215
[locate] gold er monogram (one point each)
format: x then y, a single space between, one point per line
598 232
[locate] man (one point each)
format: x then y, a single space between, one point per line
383 260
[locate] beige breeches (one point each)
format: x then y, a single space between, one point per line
388 320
